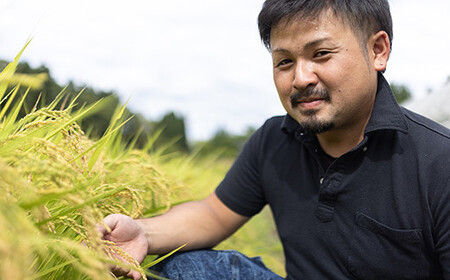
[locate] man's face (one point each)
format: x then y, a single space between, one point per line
325 80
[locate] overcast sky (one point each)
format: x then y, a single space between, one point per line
200 58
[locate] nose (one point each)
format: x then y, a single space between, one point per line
304 76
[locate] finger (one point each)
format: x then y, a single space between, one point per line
109 223
134 274
111 220
120 271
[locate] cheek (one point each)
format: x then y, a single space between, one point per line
282 84
283 92
343 81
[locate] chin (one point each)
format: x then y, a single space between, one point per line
317 126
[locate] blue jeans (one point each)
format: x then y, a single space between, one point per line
213 265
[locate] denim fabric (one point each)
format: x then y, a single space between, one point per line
212 265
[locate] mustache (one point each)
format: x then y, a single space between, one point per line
309 93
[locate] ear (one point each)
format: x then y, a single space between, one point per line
380 49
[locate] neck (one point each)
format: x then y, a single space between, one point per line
339 141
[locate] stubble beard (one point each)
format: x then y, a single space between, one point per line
309 121
311 124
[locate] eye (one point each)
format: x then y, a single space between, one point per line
321 53
284 62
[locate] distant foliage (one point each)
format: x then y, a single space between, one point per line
401 92
173 135
223 144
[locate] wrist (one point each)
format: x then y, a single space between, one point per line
142 223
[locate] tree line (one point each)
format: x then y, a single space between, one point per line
167 134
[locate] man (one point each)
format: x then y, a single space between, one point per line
359 187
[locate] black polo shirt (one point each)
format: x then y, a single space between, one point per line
380 211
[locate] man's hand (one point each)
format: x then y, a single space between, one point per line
199 224
128 235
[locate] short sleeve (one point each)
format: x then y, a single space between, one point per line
241 189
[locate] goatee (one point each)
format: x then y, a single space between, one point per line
310 123
316 126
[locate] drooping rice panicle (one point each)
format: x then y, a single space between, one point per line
58 185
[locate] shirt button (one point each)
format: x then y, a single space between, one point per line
364 149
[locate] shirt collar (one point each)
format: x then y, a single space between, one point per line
386 113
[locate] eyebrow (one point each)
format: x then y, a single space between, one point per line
308 45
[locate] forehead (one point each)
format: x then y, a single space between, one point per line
299 27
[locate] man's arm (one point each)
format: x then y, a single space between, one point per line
199 224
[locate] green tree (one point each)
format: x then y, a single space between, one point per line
401 92
173 134
224 144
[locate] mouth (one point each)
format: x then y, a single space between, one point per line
309 103
310 98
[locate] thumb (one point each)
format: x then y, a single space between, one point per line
112 220
108 224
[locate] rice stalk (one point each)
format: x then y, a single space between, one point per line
58 185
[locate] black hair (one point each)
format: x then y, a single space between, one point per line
365 17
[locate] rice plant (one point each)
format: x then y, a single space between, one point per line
58 185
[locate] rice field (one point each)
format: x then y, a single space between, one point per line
58 184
